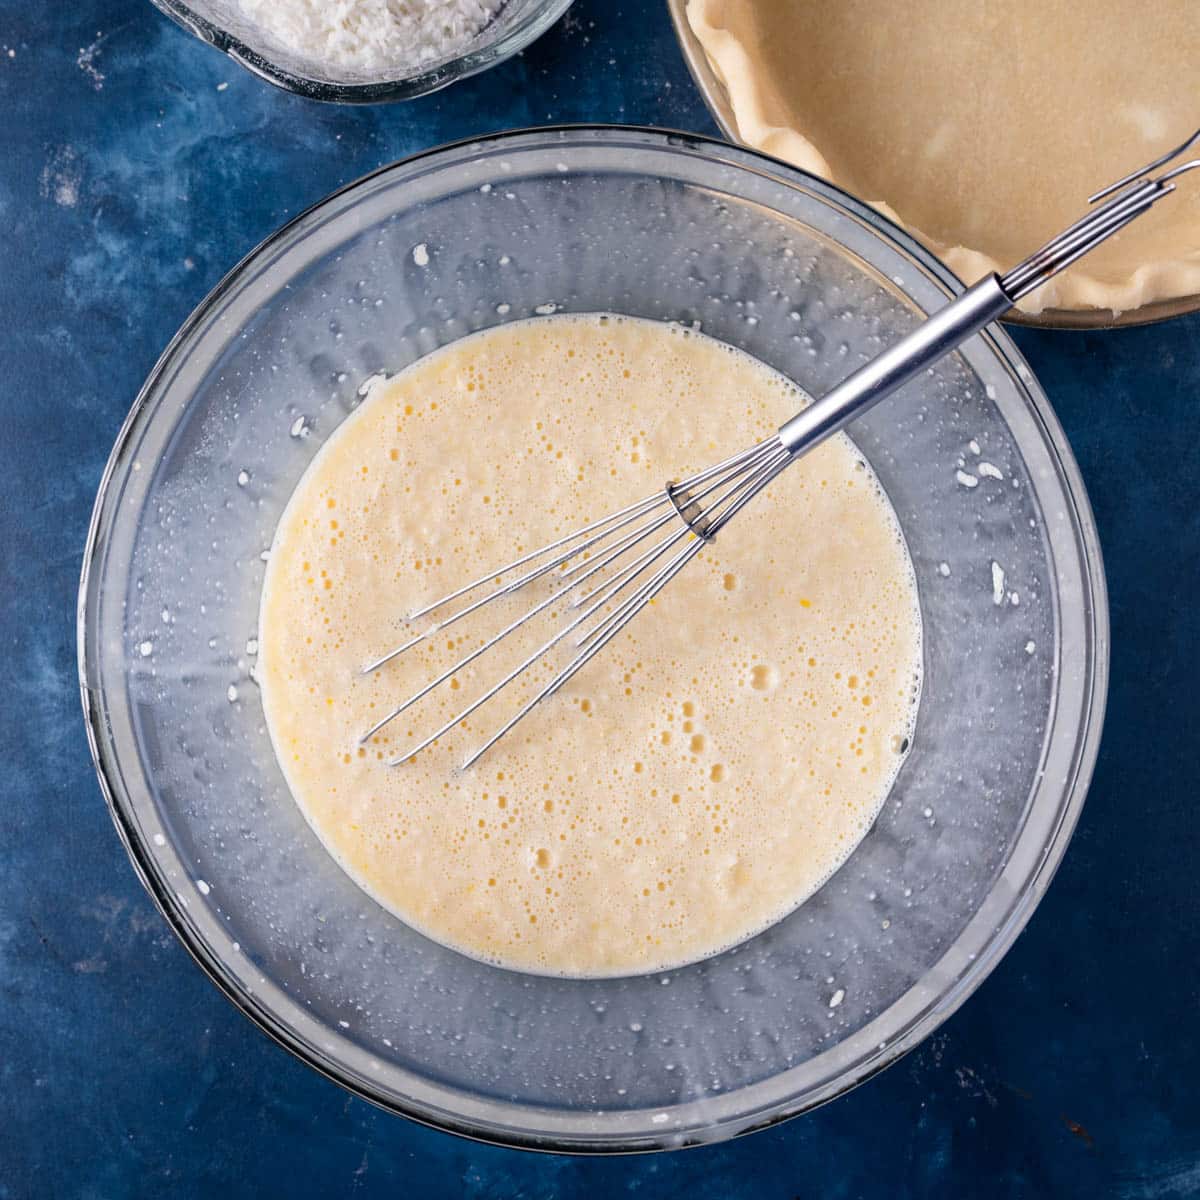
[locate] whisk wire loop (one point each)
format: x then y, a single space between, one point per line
724 487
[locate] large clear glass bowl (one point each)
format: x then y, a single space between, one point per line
221 24
659 225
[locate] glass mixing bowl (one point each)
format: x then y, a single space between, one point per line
220 24
659 225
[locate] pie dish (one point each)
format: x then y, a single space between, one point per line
984 139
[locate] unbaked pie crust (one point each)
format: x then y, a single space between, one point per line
980 126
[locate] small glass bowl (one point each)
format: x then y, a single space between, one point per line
716 99
519 23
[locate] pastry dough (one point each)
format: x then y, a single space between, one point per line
981 126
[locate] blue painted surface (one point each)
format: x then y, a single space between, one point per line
131 179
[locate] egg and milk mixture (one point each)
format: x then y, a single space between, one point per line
703 774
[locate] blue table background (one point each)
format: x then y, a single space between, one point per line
136 167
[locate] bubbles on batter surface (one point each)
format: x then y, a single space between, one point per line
699 778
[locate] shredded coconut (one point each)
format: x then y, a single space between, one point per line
370 35
997 583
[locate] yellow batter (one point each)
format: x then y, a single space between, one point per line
699 778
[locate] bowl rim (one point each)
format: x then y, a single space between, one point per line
402 87
716 100
933 1012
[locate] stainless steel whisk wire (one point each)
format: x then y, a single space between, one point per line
698 507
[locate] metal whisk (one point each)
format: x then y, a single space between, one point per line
608 571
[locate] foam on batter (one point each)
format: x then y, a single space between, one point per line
696 781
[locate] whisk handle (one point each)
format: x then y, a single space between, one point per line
990 298
932 340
